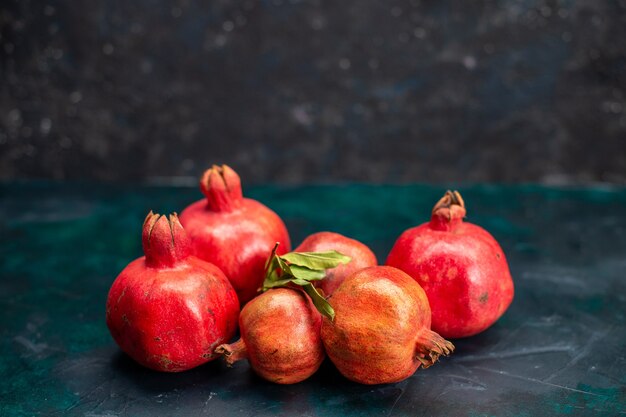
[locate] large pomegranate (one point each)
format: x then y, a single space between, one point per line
168 310
460 266
233 232
381 331
361 257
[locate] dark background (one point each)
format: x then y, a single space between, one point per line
314 91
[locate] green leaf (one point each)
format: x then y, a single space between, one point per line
278 283
320 302
306 273
284 267
274 273
300 269
316 260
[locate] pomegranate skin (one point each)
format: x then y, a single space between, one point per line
361 255
381 332
235 233
461 267
280 337
169 310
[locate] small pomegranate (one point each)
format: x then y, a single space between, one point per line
233 232
169 310
280 336
280 329
460 266
361 255
381 331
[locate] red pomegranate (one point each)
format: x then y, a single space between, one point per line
460 266
233 232
169 310
381 331
361 255
280 336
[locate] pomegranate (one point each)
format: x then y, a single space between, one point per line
361 255
280 336
280 329
381 332
233 232
460 266
168 310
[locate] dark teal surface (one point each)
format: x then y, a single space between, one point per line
559 350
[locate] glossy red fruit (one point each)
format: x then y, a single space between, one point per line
361 255
460 266
169 310
237 234
381 332
280 336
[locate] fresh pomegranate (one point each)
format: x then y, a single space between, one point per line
280 336
233 232
280 329
381 331
460 266
169 310
361 255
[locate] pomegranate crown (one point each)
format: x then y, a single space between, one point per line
448 212
164 240
222 188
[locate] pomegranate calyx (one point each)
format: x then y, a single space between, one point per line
448 212
299 269
222 188
164 240
430 346
232 352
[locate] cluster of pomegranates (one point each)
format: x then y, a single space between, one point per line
178 306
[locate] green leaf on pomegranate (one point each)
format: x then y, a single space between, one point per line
306 273
320 302
316 260
300 268
283 266
276 283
